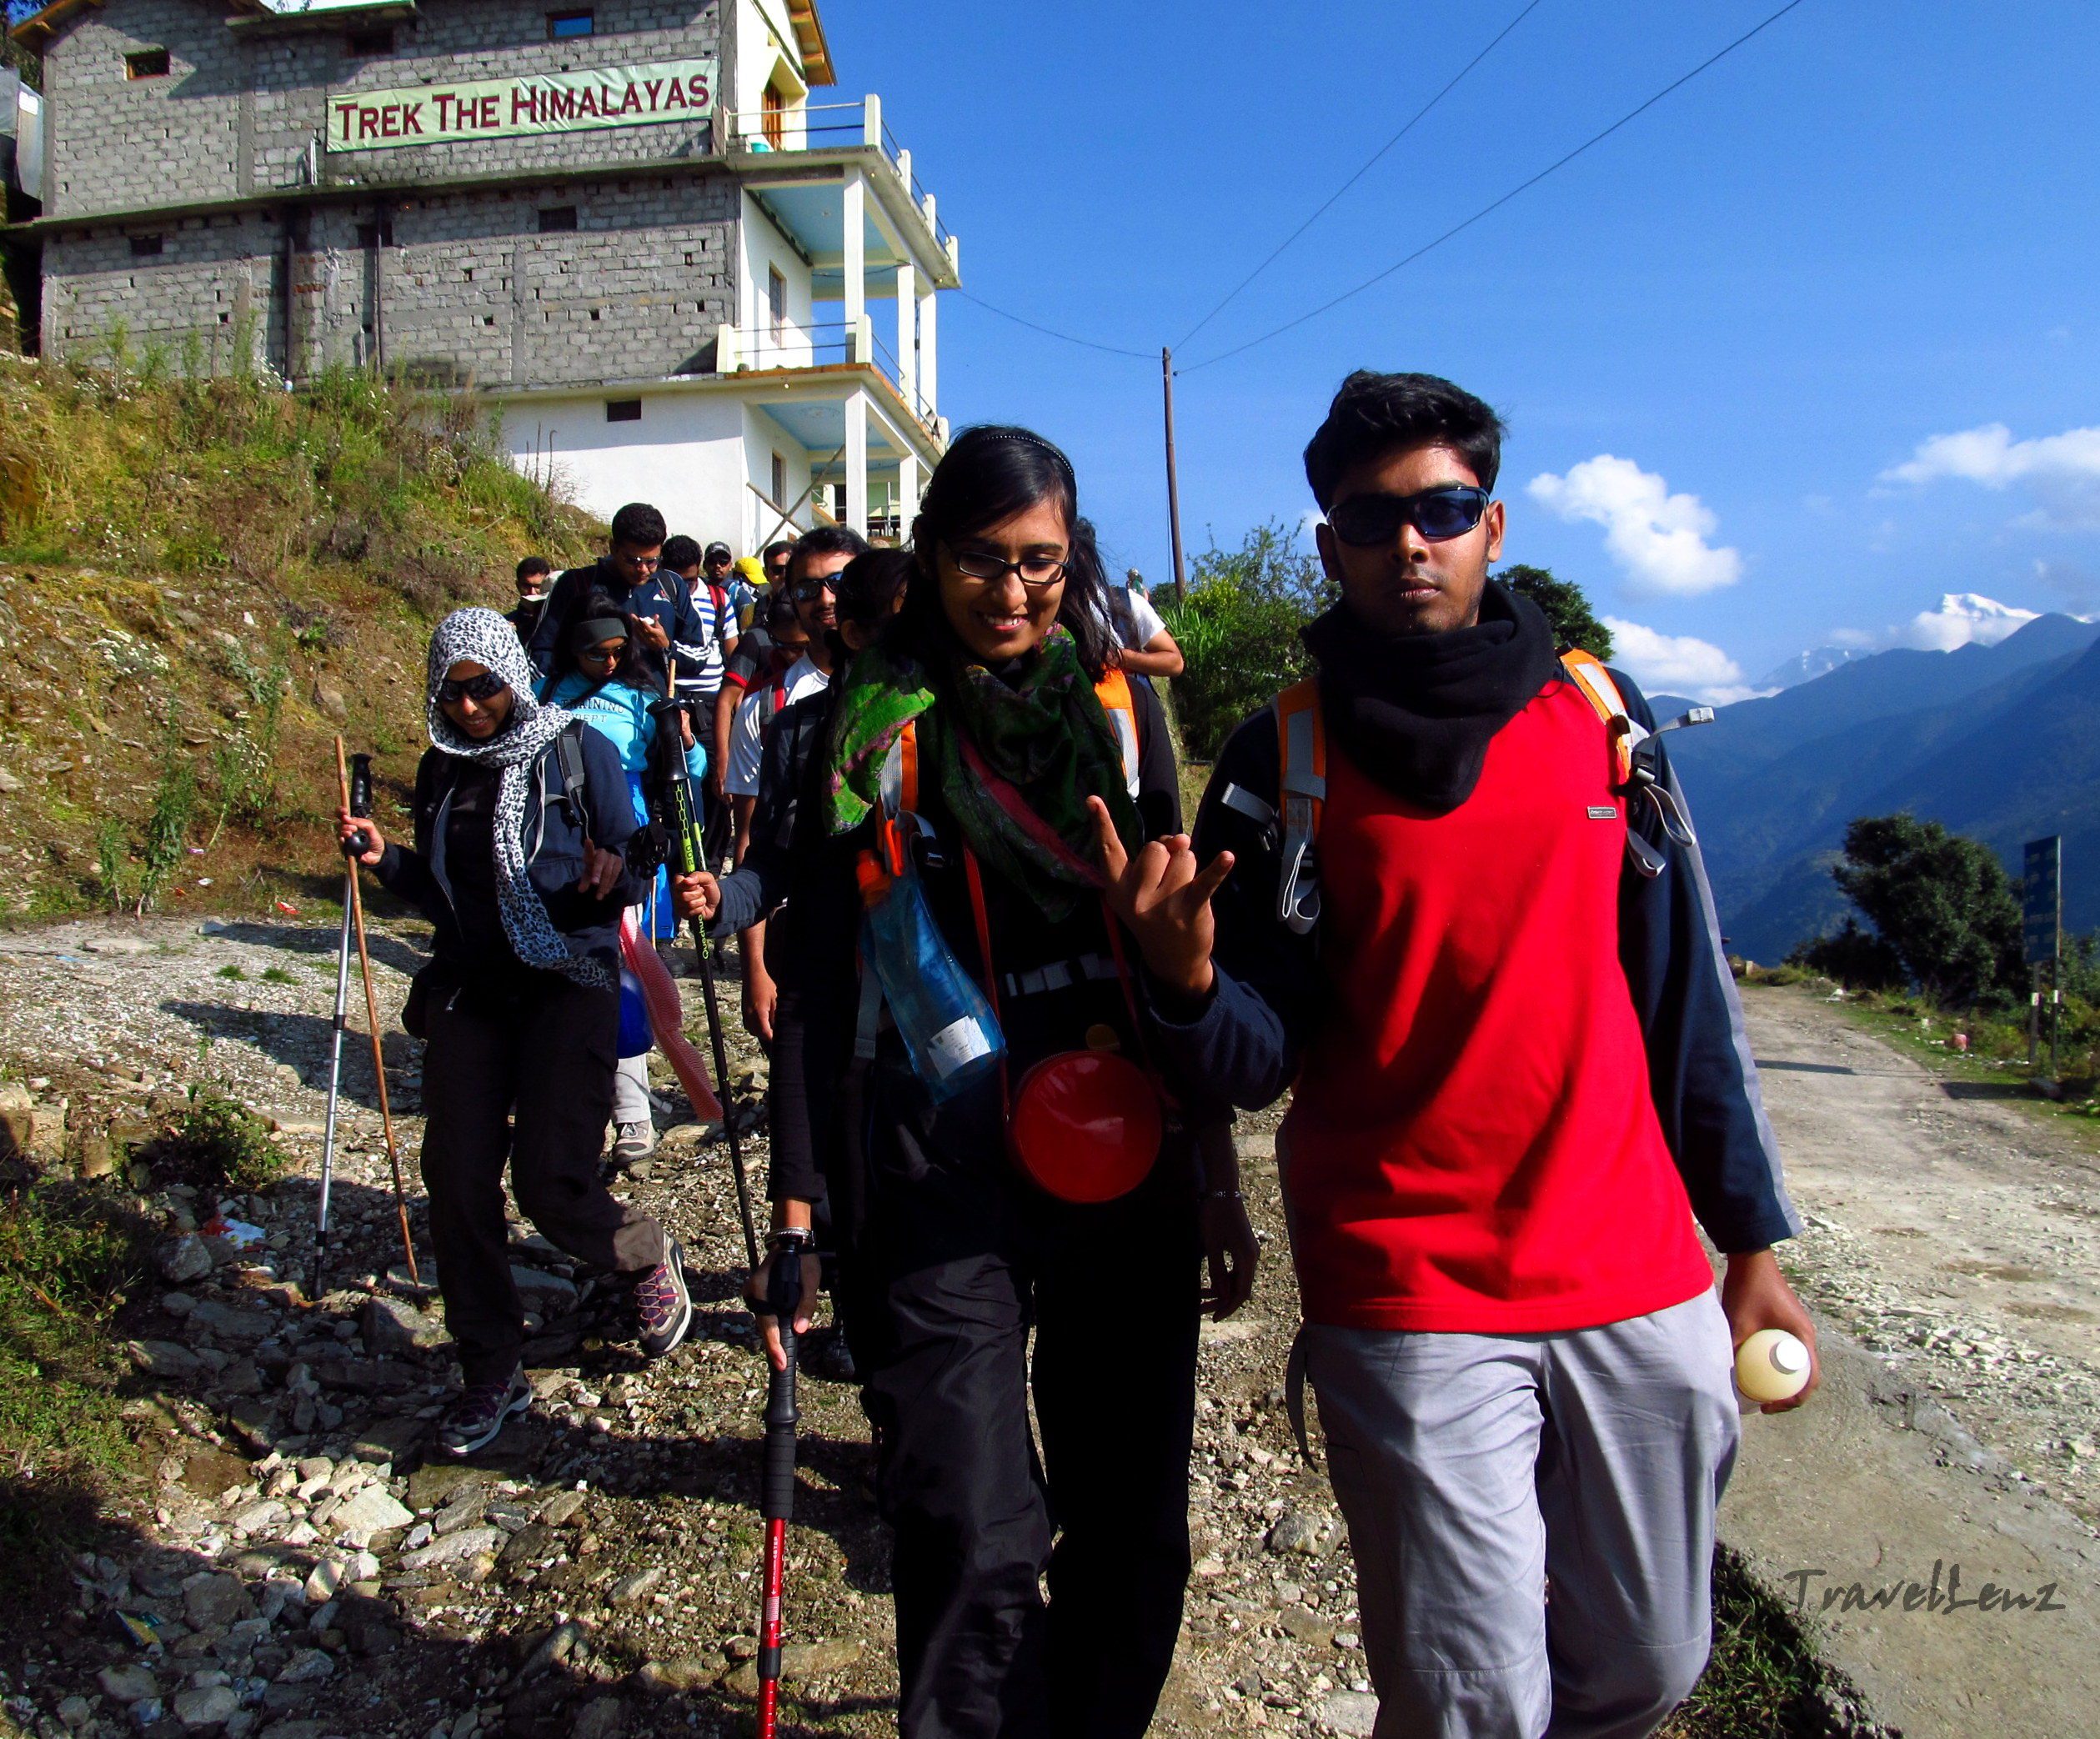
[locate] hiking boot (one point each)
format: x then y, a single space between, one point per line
475 1418
833 1358
663 1304
633 1142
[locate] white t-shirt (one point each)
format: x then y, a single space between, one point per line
1144 621
752 713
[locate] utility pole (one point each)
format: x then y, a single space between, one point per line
1173 482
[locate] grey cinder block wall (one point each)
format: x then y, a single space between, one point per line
197 205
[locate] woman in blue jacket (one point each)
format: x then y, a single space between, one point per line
520 819
595 674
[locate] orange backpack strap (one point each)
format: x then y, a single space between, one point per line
1113 691
1301 787
1587 673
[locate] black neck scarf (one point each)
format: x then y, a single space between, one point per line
1417 712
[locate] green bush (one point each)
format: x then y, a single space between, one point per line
219 1146
1856 958
1239 632
67 1257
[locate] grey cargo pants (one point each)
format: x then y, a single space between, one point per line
1532 1517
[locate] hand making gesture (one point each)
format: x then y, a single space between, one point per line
1160 895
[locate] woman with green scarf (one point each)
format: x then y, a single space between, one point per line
949 1253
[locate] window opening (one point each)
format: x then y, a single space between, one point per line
144 247
623 410
780 480
377 41
773 116
146 63
776 303
557 220
563 25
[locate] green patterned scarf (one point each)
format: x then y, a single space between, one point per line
1014 762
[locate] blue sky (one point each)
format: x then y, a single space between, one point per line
1871 227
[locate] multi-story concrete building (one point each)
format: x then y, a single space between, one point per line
636 227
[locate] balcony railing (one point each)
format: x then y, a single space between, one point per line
789 346
831 127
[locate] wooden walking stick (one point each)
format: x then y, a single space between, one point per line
372 1020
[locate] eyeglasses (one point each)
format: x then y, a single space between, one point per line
646 564
1036 572
599 654
1366 521
812 590
483 689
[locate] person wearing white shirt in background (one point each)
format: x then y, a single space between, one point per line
1149 650
818 557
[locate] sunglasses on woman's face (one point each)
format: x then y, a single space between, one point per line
1364 522
600 654
484 688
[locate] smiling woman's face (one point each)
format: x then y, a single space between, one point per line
479 719
1002 619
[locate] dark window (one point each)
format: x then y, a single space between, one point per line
623 410
773 107
146 63
376 235
561 26
557 220
144 247
776 303
378 40
780 480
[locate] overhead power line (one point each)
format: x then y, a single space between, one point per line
1558 163
1369 164
1051 332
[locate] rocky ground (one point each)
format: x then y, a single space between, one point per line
1952 1233
294 1565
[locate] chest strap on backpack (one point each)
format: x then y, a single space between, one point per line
569 757
1633 750
1301 747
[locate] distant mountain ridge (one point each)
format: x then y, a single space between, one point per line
1999 741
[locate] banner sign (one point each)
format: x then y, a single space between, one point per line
508 108
2041 899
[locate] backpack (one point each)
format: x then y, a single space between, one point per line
1301 748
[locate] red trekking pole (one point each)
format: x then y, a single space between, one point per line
776 1493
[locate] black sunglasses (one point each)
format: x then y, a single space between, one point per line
485 687
1364 522
812 590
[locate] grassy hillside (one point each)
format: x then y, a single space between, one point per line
201 581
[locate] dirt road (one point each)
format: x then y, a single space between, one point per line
1950 1255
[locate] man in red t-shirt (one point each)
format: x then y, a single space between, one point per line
1491 972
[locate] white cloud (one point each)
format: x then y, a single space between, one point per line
1660 540
1963 618
2063 470
1677 664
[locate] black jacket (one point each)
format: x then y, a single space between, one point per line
1270 995
663 598
554 842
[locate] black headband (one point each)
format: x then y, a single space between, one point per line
585 635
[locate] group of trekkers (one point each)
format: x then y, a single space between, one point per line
1446 892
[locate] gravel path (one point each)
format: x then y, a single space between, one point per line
306 1574
1949 1231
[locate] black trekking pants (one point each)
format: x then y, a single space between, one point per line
952 1271
545 1046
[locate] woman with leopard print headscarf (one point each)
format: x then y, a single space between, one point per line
517 864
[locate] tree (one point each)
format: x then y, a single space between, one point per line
1942 902
1857 958
1566 607
1239 631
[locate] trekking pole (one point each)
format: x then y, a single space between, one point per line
776 1490
335 1057
360 803
684 829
